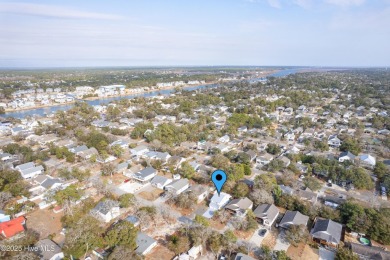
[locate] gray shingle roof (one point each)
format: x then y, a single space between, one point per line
143 242
293 218
370 252
51 249
266 211
328 230
48 183
240 204
105 206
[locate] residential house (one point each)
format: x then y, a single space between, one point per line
252 154
266 214
307 195
346 156
160 182
242 129
145 175
176 161
367 160
195 165
239 206
78 149
3 216
241 256
369 252
13 227
133 220
29 170
144 243
334 141
122 143
5 157
224 139
178 186
121 167
326 231
290 136
286 189
106 210
139 151
334 201
48 250
264 159
200 191
285 160
163 157
223 148
293 218
218 201
87 154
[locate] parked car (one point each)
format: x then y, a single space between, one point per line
262 232
127 180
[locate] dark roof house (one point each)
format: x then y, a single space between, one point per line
328 231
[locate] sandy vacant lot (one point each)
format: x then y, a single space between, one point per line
44 221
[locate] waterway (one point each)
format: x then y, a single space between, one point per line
52 109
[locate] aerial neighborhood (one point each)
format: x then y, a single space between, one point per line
307 159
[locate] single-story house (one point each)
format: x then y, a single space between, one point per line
122 143
78 149
346 156
224 139
4 217
144 243
239 206
264 159
241 256
12 227
176 161
106 210
121 167
160 182
48 250
133 220
334 141
139 151
178 186
307 195
87 154
326 231
367 160
293 218
200 191
5 156
369 252
267 214
286 189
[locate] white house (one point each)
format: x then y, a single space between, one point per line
224 139
106 210
160 182
217 202
145 175
334 141
139 151
29 170
367 160
264 159
178 186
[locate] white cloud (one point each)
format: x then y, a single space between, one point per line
53 11
345 3
274 3
303 3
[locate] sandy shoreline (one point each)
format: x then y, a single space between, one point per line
128 93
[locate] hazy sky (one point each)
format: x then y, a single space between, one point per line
197 32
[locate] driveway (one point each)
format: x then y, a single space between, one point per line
281 242
256 238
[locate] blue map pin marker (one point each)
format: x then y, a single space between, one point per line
218 178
